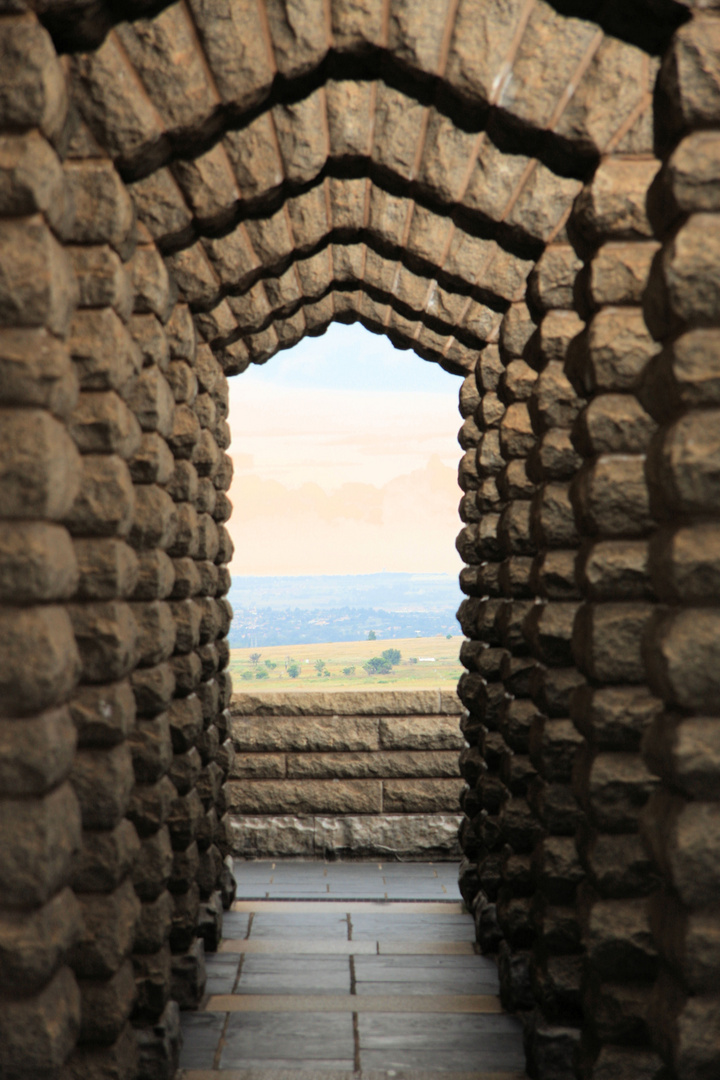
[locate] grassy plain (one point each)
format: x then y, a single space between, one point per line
437 665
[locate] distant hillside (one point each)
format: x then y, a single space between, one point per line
392 592
311 610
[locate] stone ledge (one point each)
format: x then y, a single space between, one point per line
407 836
349 734
347 703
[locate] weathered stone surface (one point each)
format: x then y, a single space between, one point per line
33 944
109 930
415 835
106 1006
39 662
37 1033
304 796
103 780
105 503
36 753
104 858
105 355
106 636
188 976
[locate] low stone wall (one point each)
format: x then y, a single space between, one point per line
351 774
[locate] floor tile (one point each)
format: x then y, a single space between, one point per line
289 975
288 1037
267 924
201 1033
440 1042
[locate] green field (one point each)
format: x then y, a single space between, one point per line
435 664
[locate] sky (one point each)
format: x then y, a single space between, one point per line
345 453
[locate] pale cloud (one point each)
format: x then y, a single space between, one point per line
342 476
408 524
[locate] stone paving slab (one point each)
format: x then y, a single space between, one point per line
363 988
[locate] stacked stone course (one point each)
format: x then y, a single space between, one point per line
525 193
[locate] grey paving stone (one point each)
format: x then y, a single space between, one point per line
287 1037
201 1034
404 927
235 925
468 1042
221 972
269 924
294 975
425 975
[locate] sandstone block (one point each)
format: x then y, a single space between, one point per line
613 424
681 655
101 423
105 355
185 540
153 975
149 337
619 273
38 478
186 723
150 805
104 859
33 91
618 939
108 569
684 563
103 781
36 371
516 434
618 866
116 1062
186 815
550 284
109 930
32 179
151 284
612 789
153 865
36 754
614 570
105 503
151 747
681 468
685 375
184 869
151 400
155 576
106 636
103 715
159 1045
106 1006
188 976
155 632
681 837
612 353
38 1033
613 203
153 927
607 641
38 659
305 796
614 717
688 941
153 689
104 212
553 458
102 279
37 285
610 497
185 770
188 671
33 944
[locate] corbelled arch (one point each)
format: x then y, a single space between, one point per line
521 191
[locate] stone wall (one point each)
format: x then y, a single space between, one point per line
345 774
524 192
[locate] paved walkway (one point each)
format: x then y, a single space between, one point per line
351 971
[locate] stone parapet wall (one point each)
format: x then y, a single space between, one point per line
345 774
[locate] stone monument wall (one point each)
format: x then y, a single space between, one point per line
346 774
524 192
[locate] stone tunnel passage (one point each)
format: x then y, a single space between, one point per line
341 970
523 192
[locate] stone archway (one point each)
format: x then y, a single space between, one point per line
523 194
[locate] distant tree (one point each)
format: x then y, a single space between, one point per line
393 655
413 660
372 636
270 664
349 670
254 658
246 675
319 666
449 637
378 665
326 673
293 670
262 674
